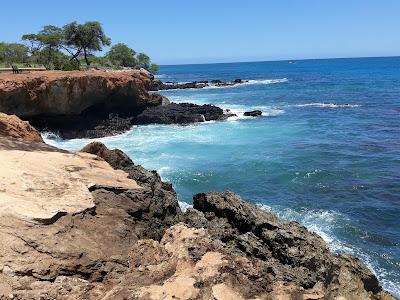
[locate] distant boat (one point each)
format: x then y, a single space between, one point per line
292 62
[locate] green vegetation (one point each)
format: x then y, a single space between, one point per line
70 46
121 55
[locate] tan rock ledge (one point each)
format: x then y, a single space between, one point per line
40 183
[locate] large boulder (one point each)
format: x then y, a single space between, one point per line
12 126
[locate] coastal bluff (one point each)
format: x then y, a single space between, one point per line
94 225
78 103
53 93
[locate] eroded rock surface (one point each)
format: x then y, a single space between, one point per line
14 127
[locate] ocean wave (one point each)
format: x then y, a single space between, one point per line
325 105
267 81
249 82
239 110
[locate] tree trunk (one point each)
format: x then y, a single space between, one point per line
86 58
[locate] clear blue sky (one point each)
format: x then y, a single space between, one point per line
185 31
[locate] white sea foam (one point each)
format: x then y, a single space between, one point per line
159 76
50 136
249 82
325 105
184 206
267 81
239 110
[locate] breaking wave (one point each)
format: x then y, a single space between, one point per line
325 105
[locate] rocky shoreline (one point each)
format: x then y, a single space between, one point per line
95 104
158 85
119 233
93 225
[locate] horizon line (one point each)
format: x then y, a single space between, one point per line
277 60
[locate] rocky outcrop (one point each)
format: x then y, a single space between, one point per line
71 93
78 104
12 126
78 219
253 113
181 113
280 252
131 240
158 85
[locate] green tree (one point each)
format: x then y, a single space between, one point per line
46 43
143 60
13 53
88 37
155 67
121 55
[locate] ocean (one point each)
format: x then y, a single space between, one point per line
326 152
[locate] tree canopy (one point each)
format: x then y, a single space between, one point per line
88 37
121 55
67 46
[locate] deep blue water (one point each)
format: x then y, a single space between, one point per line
334 168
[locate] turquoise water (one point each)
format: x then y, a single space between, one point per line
333 167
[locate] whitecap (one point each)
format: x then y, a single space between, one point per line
267 81
325 105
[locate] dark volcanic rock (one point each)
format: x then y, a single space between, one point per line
181 113
158 85
253 113
164 204
287 250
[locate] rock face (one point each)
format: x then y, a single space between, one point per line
181 113
12 126
71 93
253 113
78 104
133 242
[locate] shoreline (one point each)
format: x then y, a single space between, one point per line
220 231
246 232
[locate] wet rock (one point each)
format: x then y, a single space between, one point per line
158 85
181 113
253 113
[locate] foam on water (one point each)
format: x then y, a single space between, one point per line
325 105
250 82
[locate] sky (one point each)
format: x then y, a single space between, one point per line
185 31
